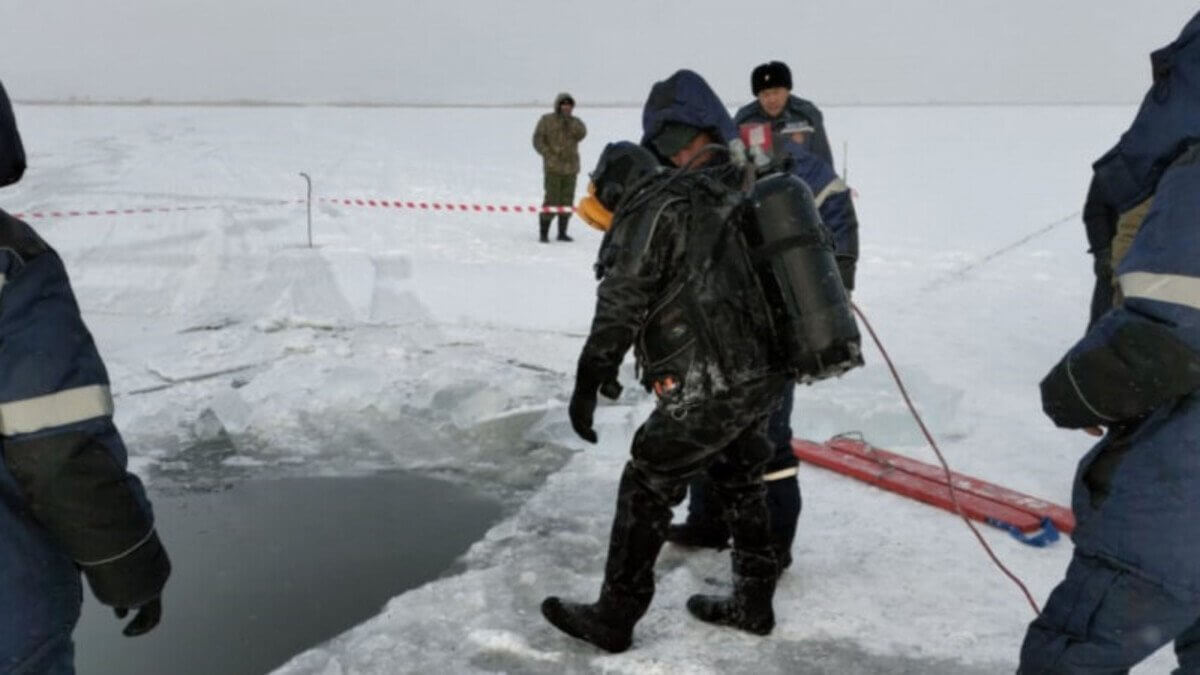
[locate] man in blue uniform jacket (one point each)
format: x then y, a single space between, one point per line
704 527
1133 584
775 104
67 503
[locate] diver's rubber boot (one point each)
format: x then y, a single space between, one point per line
604 624
749 607
638 531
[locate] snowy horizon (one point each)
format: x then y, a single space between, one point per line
522 52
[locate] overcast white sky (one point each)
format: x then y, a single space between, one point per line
523 51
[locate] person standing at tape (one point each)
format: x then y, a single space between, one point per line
556 138
67 502
1133 583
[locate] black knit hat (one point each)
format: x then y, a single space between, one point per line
773 74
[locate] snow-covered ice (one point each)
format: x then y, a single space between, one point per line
444 342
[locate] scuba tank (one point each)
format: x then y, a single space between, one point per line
792 256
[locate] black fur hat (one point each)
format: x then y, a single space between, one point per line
773 74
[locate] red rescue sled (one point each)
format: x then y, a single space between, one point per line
979 499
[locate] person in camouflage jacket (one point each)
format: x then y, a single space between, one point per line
556 138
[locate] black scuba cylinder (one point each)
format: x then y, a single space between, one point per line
792 255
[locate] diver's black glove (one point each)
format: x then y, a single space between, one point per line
611 390
144 621
583 403
583 399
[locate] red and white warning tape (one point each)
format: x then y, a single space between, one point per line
449 206
342 201
39 215
78 213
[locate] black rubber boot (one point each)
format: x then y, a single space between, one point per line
638 531
749 608
755 569
600 623
544 227
562 227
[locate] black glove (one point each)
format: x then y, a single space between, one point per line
1062 402
144 621
611 390
133 581
1136 369
583 404
583 400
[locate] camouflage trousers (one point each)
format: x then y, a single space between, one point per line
559 189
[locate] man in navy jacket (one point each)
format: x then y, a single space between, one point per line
774 103
1133 584
67 503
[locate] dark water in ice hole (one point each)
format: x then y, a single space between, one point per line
268 568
